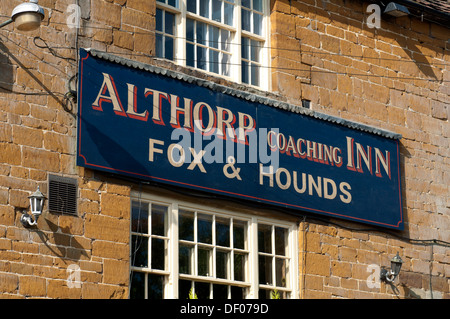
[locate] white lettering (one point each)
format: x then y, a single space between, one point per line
109 86
197 160
316 185
181 156
345 188
152 148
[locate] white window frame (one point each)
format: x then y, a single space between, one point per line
252 274
181 15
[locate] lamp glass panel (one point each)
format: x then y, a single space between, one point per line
396 266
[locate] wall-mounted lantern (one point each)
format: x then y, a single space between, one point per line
391 274
37 200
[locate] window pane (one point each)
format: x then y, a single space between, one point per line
190 55
226 64
246 20
159 20
201 58
186 226
246 3
184 286
281 272
255 74
245 73
155 286
222 264
204 8
169 23
265 238
159 46
217 10
257 23
186 254
265 270
139 249
245 48
139 213
214 33
223 232
239 266
228 14
168 48
158 220
264 294
158 253
190 24
257 5
239 231
255 50
173 3
280 241
237 292
192 6
204 228
137 290
202 290
225 40
201 33
220 292
204 262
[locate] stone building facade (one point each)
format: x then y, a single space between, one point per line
323 54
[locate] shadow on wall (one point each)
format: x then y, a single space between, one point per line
419 52
7 76
420 48
421 60
58 241
404 153
6 71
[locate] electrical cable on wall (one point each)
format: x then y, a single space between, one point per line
299 216
51 49
262 66
68 97
263 47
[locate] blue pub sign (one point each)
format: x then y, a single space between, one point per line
157 125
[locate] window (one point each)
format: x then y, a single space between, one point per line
251 61
149 246
224 37
178 249
206 251
207 47
273 260
165 34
